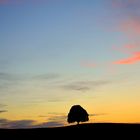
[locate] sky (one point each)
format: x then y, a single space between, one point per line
58 53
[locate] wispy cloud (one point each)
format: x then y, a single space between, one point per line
85 85
49 124
132 50
49 76
54 119
13 82
9 80
127 48
57 118
98 114
2 105
131 60
2 111
4 123
130 7
28 77
130 21
129 25
6 76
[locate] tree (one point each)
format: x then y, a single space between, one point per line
77 114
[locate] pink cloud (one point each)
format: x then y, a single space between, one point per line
131 60
130 21
131 49
131 27
130 46
125 4
127 49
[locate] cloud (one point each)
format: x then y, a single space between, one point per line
57 118
2 105
42 116
131 27
4 123
127 6
98 114
54 120
77 86
54 117
49 124
9 80
128 48
49 76
15 77
131 49
129 23
130 17
85 85
6 76
2 111
131 60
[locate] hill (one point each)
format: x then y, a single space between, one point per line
87 130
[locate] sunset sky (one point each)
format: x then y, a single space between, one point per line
57 53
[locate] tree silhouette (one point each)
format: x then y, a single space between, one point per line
77 114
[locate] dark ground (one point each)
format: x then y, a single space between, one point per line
82 131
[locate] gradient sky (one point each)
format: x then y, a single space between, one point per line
57 53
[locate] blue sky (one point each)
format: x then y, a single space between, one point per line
56 35
51 49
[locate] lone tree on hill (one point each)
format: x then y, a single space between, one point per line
77 114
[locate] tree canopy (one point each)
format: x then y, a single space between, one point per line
77 114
